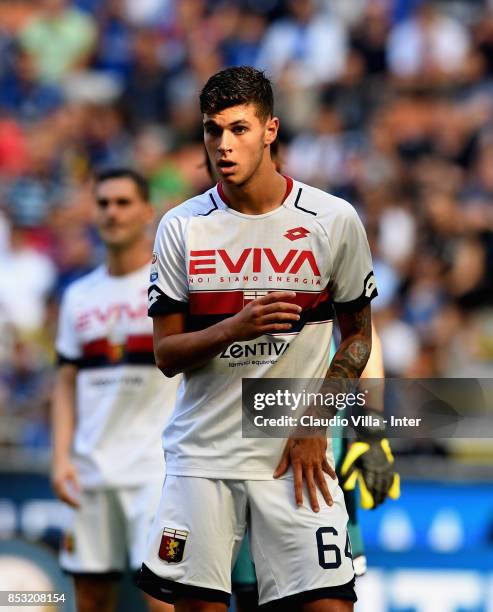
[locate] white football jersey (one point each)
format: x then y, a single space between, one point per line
122 399
209 261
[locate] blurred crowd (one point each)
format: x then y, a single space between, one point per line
387 103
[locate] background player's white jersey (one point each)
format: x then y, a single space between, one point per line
209 262
122 399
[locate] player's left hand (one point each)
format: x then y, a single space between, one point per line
308 458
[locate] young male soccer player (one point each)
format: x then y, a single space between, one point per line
257 262
365 462
110 402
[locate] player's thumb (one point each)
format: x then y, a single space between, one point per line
395 489
366 498
73 478
328 469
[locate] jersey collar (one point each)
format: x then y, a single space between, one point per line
289 188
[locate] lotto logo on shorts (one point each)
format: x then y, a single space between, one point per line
172 545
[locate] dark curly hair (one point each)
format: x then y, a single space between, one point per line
235 86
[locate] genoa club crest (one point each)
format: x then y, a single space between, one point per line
68 543
116 352
172 545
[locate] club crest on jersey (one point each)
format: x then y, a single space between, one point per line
68 543
116 352
172 545
296 233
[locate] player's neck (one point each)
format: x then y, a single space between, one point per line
264 192
120 262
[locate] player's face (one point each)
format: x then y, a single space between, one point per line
237 142
122 215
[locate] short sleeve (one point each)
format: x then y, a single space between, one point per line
67 343
168 290
352 282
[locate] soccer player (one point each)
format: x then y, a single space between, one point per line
246 279
110 402
365 459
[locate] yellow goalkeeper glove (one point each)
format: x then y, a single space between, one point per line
370 463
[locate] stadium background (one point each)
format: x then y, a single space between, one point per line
387 103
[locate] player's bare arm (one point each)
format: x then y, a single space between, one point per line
355 348
63 472
307 454
374 366
177 350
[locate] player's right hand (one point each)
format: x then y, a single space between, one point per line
271 313
65 482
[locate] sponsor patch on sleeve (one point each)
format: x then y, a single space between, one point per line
154 267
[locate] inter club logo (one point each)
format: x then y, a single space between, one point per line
296 233
172 545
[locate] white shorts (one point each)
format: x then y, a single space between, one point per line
298 554
110 528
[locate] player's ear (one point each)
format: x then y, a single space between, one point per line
271 129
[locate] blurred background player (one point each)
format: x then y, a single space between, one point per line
110 402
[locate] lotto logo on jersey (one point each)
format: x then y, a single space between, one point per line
154 293
172 545
370 285
296 233
254 260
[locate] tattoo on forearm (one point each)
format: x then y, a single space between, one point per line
350 359
353 353
359 352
